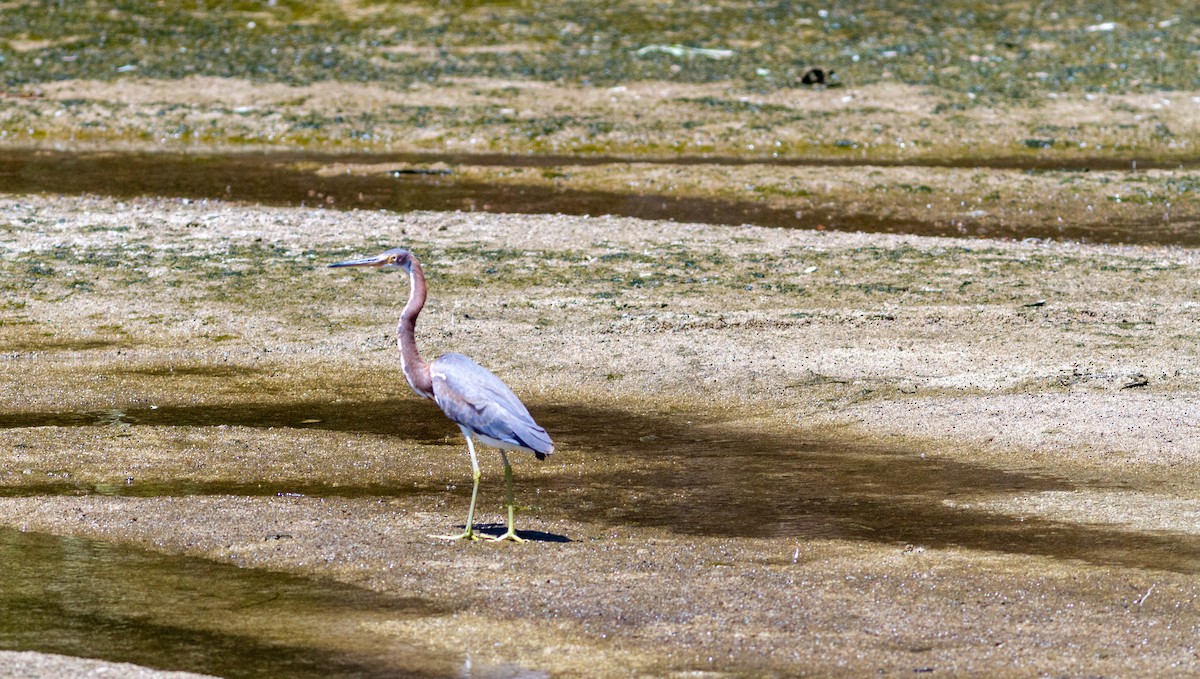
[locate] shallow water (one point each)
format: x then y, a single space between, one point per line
289 179
90 599
688 474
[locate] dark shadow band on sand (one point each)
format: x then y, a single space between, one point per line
290 179
658 469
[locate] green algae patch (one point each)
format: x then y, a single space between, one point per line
718 79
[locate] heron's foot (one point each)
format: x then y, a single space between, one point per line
465 535
510 535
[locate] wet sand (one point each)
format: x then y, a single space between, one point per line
780 451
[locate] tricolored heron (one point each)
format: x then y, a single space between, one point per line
482 406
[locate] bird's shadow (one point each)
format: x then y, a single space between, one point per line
495 530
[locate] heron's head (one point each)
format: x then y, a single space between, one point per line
394 258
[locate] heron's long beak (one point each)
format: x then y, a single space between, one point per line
378 260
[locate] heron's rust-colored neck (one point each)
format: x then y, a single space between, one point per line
415 369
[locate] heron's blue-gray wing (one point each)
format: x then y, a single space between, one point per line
475 398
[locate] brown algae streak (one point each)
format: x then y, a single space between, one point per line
655 469
290 179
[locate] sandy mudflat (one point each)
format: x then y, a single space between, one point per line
779 451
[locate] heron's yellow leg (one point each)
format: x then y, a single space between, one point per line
469 533
511 534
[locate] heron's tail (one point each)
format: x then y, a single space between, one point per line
543 451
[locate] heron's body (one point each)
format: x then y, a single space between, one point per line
474 398
482 406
